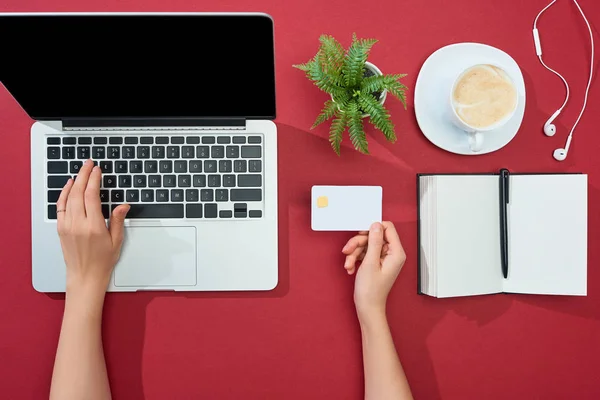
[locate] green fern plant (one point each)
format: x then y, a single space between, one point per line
356 91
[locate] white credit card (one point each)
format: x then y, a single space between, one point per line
345 208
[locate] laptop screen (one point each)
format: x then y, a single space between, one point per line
139 66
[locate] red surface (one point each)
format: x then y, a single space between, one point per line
302 340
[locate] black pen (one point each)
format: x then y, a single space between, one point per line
504 196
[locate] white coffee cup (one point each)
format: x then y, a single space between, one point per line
476 132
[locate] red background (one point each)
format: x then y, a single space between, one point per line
302 340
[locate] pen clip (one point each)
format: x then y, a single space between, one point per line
505 176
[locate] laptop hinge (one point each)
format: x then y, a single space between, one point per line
143 124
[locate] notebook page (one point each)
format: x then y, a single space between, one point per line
467 227
547 217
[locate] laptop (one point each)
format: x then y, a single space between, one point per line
177 110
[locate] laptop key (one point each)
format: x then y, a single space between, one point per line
193 210
166 166
255 166
240 210
172 151
232 151
239 140
192 140
206 195
177 140
184 180
217 152
176 195
116 196
128 152
208 140
249 180
180 167
133 196
147 195
210 166
57 167
69 140
150 167
199 180
224 165
68 153
100 140
124 181
51 211
162 195
143 152
251 151
53 140
188 152
169 181
158 151
139 181
223 140
53 196
121 167
53 153
135 167
114 152
104 196
228 180
85 140
214 180
105 211
191 195
255 213
57 181
162 140
202 152
210 211
154 181
131 140
106 167
155 211
109 181
115 140
196 166
254 139
83 152
225 214
239 166
146 140
245 195
221 195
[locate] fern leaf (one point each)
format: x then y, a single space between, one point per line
354 61
378 116
356 128
304 67
333 52
328 111
336 131
323 80
396 88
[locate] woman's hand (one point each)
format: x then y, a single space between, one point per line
90 249
382 258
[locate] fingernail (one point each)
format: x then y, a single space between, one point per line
88 161
345 247
376 227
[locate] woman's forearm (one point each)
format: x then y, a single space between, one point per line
384 376
80 368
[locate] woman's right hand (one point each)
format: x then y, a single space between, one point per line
382 258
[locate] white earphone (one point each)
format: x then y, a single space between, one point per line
549 127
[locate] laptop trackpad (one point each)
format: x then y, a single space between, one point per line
157 256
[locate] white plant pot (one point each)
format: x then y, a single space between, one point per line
377 71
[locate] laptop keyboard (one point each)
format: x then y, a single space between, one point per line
203 176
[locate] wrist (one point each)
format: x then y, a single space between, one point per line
371 316
85 298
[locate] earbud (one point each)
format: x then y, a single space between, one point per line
549 127
560 154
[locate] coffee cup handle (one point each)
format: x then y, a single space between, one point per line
475 141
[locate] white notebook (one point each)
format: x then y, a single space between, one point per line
459 235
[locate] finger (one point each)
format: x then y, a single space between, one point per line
353 243
116 228
385 249
391 237
350 263
75 203
93 208
61 204
395 256
375 244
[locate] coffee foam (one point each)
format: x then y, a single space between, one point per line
483 96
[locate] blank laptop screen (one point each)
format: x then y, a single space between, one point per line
139 66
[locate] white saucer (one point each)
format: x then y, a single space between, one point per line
432 91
